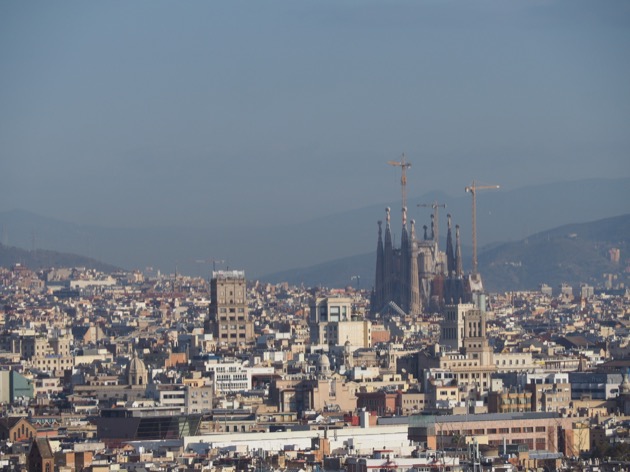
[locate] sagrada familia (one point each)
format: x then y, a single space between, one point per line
417 276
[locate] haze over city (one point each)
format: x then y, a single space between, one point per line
238 236
151 113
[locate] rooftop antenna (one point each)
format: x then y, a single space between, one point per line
214 262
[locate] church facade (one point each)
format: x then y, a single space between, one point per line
417 276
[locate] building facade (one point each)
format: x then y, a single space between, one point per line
538 431
418 275
229 316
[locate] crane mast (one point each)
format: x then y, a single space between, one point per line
472 189
404 165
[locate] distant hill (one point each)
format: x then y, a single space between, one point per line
357 271
40 258
503 215
571 253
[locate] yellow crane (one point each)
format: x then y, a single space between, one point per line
472 189
404 165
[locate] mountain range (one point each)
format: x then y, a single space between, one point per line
503 215
572 254
41 258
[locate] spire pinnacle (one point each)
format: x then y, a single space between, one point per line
450 257
459 271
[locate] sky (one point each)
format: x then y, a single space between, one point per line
159 113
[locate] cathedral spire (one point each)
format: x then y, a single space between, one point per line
433 227
425 232
388 260
459 271
450 257
414 283
380 279
404 263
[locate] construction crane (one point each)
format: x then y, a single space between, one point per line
404 165
473 191
436 216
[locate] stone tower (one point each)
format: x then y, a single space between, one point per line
137 373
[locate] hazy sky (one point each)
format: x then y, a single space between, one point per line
199 112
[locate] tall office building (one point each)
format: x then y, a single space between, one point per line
452 326
229 318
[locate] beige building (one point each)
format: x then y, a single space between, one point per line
509 400
229 316
199 398
357 333
303 393
330 309
465 358
442 395
539 431
513 361
331 323
412 402
550 396
50 355
452 326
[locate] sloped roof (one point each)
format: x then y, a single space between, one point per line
43 446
